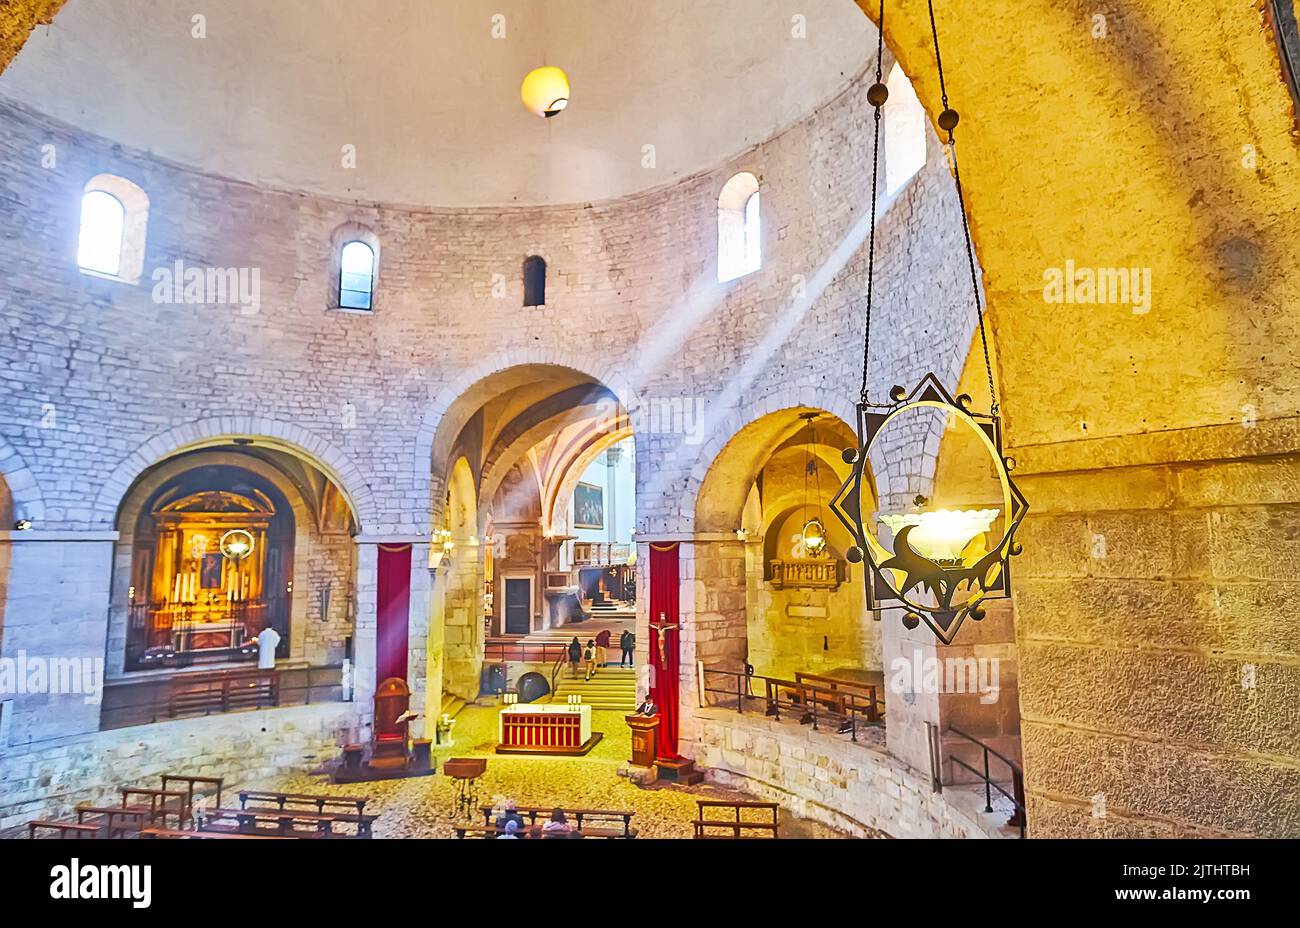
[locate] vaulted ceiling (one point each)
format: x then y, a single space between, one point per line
428 92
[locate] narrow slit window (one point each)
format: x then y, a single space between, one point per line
535 281
357 277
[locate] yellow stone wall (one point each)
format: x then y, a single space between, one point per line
1158 655
17 19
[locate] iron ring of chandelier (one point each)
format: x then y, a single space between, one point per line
956 574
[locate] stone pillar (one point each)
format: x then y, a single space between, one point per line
54 593
714 618
365 634
461 576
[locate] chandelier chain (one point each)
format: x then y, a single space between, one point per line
994 407
875 188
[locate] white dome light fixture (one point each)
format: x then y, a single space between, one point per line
545 92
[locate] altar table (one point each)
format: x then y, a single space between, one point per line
546 729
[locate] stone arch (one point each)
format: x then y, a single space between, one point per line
457 401
284 436
25 500
748 417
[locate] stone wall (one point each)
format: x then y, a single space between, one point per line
828 778
50 779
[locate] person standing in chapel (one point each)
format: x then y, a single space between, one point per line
267 641
627 644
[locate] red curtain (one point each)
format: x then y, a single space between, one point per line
394 595
665 587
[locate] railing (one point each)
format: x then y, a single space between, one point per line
849 707
525 652
1017 796
177 634
600 554
155 699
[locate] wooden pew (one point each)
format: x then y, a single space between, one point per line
866 693
62 830
600 819
535 833
162 803
190 786
171 833
303 800
114 822
737 825
223 691
285 823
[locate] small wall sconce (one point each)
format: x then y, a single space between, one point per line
23 525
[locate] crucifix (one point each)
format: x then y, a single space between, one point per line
663 629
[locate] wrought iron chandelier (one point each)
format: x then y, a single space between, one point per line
941 567
813 537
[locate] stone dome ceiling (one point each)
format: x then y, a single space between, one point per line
428 95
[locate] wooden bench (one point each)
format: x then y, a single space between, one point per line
191 787
535 832
162 803
303 800
62 830
223 691
867 695
172 833
279 823
114 822
736 825
601 819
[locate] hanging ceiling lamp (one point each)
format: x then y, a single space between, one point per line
546 92
944 564
813 535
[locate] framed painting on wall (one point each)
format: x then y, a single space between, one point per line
588 506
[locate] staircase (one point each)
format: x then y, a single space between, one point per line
612 688
451 705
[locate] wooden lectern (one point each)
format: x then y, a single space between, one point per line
645 739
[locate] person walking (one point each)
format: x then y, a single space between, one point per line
575 654
627 644
602 648
589 658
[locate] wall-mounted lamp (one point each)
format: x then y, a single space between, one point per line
22 525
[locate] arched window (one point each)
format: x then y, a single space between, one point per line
904 132
357 276
740 228
534 281
99 247
114 219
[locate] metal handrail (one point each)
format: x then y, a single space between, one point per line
1017 798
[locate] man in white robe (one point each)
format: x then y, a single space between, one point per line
267 642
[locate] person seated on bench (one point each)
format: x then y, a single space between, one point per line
511 831
510 813
558 826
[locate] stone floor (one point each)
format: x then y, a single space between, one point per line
422 807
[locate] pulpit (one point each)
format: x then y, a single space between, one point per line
391 746
645 739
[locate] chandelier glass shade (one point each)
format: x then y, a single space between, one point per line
545 92
943 535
